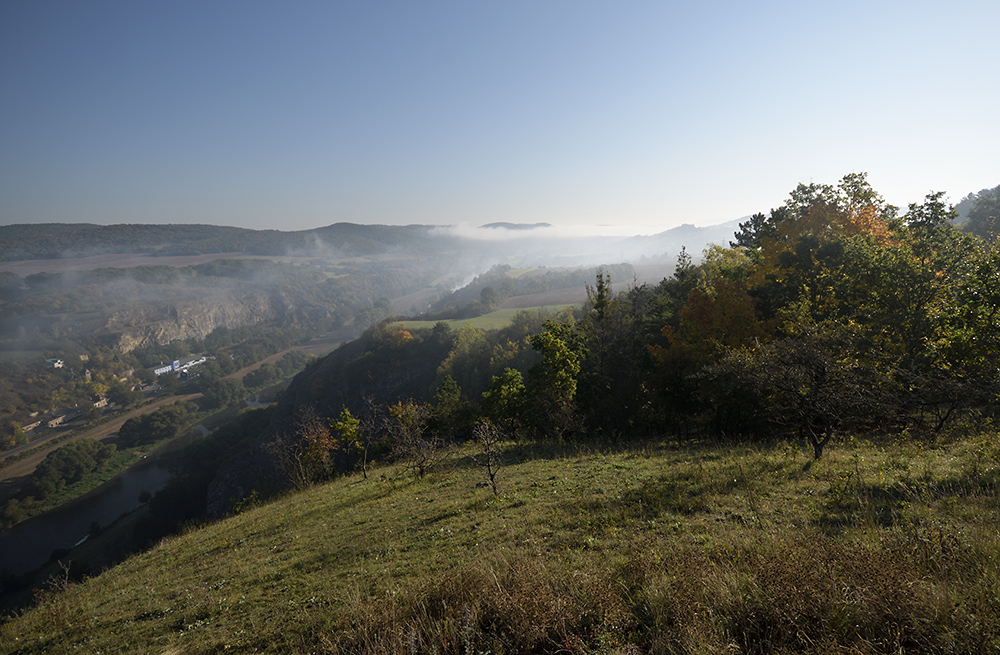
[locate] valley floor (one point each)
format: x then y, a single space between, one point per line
13 472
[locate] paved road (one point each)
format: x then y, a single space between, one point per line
24 467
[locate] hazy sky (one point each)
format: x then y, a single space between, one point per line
293 115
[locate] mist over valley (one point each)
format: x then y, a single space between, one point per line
150 285
158 380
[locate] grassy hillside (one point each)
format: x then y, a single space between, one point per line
652 547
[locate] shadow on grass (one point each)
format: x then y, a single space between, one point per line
674 495
528 451
851 501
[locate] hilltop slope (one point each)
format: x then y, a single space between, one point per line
647 548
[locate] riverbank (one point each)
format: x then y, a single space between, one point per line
97 527
47 535
14 473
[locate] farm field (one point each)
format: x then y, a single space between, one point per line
33 266
491 321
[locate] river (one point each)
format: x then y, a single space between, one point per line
29 544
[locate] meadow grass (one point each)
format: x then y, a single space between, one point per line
589 548
494 320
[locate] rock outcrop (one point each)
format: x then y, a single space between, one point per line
158 324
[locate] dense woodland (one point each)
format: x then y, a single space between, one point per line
833 315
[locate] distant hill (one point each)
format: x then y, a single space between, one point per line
667 244
517 226
53 241
29 231
471 254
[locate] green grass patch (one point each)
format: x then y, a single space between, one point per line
647 547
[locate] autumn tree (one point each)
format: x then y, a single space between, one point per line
722 315
714 319
842 258
800 253
303 452
11 434
347 440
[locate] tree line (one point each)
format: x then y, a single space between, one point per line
834 314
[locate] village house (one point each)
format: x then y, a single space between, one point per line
62 419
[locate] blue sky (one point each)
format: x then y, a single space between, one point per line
644 115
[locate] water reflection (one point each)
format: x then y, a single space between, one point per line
29 544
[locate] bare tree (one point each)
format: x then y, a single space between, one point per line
370 431
489 436
412 443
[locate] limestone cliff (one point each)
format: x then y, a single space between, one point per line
159 323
